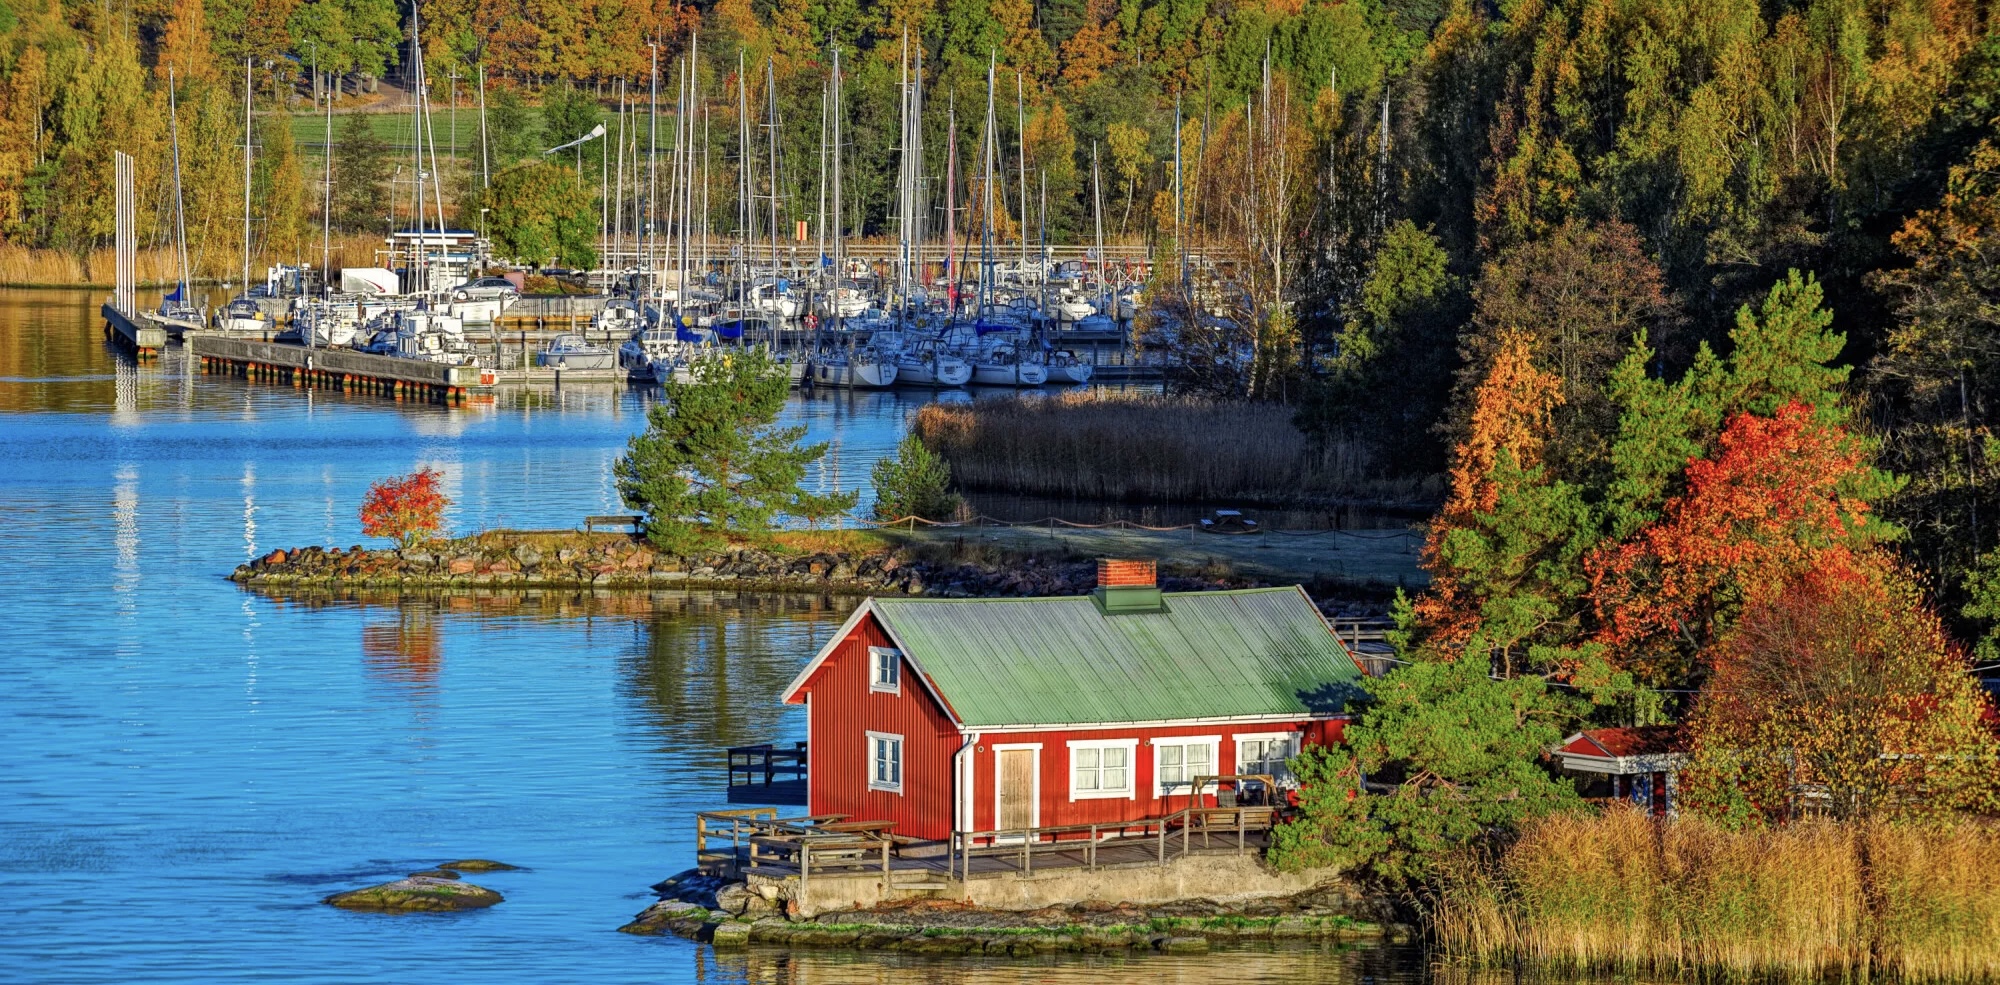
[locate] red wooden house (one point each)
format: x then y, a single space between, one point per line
1005 714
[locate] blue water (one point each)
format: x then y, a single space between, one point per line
187 767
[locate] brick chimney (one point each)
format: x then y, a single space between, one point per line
1122 573
1128 586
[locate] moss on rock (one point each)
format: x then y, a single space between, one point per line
417 894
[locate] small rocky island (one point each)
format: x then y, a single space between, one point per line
730 913
828 562
437 890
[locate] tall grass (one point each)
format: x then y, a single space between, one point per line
1618 892
1110 445
22 266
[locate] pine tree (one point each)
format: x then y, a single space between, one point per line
712 463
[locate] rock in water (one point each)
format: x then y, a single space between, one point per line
477 865
435 874
417 894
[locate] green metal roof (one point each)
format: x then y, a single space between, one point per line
1063 661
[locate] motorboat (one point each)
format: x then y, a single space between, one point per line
243 316
572 351
423 334
326 323
636 354
1071 307
621 316
845 300
1065 366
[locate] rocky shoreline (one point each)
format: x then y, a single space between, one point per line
619 561
730 914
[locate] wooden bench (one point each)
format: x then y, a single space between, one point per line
626 521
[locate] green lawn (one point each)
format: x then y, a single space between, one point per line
395 128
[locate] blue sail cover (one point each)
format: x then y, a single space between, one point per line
732 329
685 333
175 296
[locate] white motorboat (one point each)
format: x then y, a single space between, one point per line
570 351
621 315
423 334
1071 307
243 316
1065 366
844 300
775 298
862 368
637 353
328 323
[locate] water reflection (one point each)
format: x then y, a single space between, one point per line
1247 965
404 647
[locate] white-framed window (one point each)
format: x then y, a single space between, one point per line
1102 769
885 762
885 670
1266 754
1178 760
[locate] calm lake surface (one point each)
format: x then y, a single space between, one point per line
188 767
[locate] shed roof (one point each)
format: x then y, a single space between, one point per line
1247 654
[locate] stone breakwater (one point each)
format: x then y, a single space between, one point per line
631 563
729 913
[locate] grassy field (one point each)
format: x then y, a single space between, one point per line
1372 559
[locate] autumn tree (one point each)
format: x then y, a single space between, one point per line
1838 691
408 509
1580 294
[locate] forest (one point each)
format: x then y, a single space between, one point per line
1686 309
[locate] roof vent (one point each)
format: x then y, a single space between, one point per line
1127 586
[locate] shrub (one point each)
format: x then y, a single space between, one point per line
914 483
408 510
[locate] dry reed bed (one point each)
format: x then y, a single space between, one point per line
1815 900
21 266
1109 445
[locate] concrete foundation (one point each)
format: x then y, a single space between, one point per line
1223 878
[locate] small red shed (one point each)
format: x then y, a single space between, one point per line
1641 764
966 715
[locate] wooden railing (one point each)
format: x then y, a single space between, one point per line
765 762
1173 837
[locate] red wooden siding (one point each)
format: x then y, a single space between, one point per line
1056 807
844 710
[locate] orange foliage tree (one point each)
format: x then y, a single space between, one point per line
408 509
1505 519
1838 690
1780 495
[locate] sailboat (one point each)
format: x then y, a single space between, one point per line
855 366
242 315
177 313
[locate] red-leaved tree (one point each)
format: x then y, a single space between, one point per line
408 509
1781 495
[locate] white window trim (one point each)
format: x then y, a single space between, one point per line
875 653
1297 740
1035 794
1131 791
902 763
1214 744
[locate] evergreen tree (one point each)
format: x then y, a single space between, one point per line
361 170
914 483
713 464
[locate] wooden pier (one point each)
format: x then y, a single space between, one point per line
144 338
337 369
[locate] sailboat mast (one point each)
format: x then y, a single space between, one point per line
180 207
839 265
1097 212
652 163
986 213
771 92
1021 134
618 187
246 174
326 203
951 203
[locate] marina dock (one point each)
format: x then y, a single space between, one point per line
142 337
337 369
